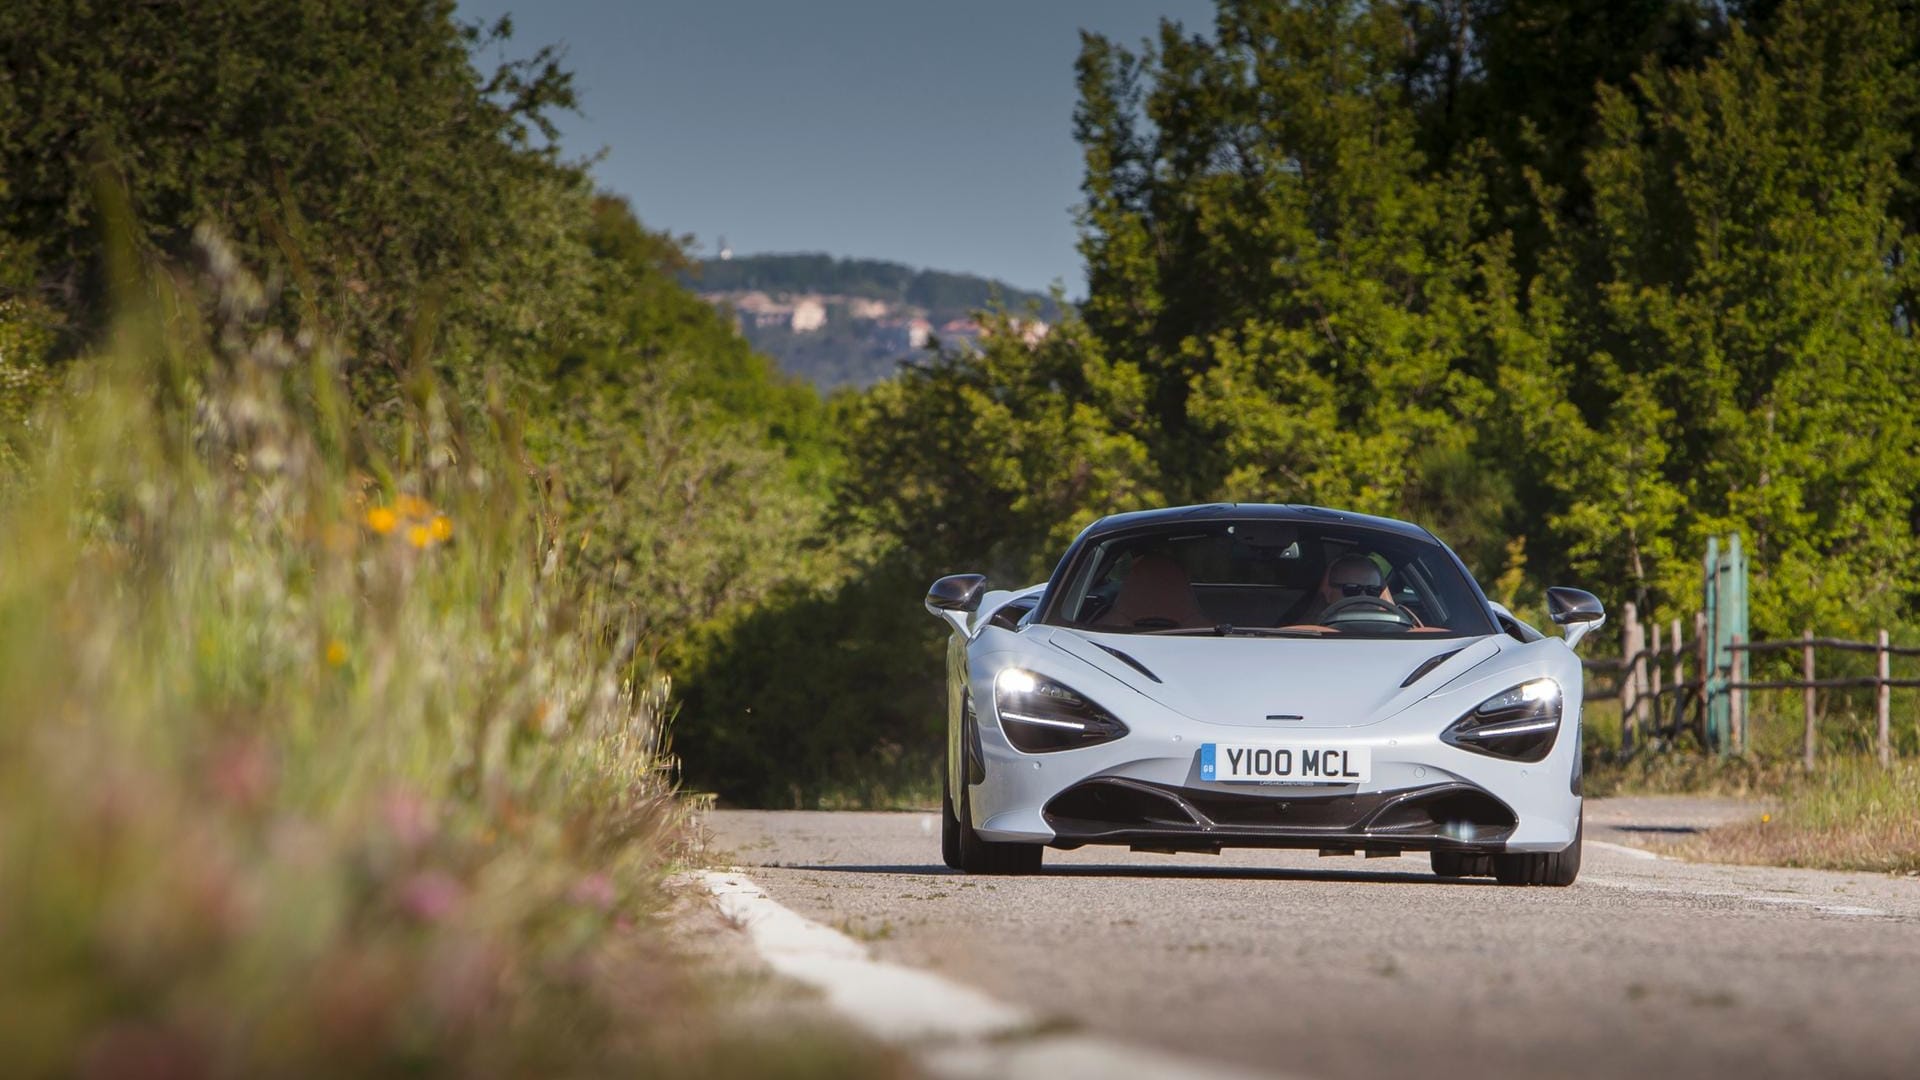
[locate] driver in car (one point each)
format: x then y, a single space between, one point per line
1349 575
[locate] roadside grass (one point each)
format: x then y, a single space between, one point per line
312 758
1850 814
1682 772
921 795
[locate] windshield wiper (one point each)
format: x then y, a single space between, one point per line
1227 629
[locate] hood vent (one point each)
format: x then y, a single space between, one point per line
1427 666
1131 662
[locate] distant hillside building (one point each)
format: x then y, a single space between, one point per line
808 315
758 308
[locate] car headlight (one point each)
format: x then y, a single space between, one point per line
1039 715
1519 724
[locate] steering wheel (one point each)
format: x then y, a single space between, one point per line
1367 609
1094 607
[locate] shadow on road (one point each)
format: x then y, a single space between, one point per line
1679 830
1130 870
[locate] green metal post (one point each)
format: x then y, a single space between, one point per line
1736 615
1710 680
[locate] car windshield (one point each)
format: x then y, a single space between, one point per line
1266 578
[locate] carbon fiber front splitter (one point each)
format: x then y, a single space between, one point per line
1439 817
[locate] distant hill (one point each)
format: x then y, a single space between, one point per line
850 322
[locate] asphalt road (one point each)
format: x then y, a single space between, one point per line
1350 967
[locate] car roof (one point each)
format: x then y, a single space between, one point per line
1287 512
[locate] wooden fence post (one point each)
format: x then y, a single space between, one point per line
1640 681
1736 699
1629 676
1883 705
1679 674
1806 671
1653 662
1705 649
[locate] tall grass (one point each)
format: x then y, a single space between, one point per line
309 759
1849 814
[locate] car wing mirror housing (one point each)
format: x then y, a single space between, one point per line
1577 610
956 594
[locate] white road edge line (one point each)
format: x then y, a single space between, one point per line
955 1030
1638 853
1849 910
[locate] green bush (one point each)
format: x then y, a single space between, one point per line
311 760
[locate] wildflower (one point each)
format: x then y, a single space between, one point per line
336 652
442 528
413 506
431 895
240 772
409 818
382 520
419 536
593 891
1764 818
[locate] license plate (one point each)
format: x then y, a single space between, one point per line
1239 763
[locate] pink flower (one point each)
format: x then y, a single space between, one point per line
431 895
240 772
593 891
409 818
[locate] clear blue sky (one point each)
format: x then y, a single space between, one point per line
937 134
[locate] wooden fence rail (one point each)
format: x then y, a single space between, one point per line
1651 704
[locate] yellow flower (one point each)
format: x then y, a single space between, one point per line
1764 818
412 506
419 536
442 527
382 520
336 652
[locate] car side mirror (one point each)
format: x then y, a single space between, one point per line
956 592
1578 610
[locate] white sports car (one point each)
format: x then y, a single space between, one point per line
1263 676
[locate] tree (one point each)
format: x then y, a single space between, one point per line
351 147
1299 287
1747 343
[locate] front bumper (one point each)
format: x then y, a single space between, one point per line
1449 816
1145 790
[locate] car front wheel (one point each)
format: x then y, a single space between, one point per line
965 851
1462 864
1557 868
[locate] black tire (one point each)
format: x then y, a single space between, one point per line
1461 864
966 851
1556 869
949 824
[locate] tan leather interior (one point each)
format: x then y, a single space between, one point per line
1156 587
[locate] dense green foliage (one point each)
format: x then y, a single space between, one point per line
409 204
331 740
352 142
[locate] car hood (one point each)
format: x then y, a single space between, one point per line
1324 682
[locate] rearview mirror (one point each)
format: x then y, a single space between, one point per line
956 592
1578 610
